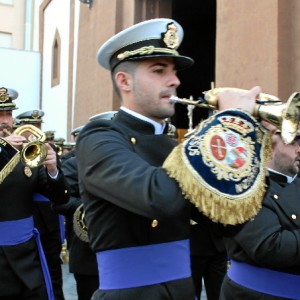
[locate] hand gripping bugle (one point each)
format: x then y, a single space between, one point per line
285 116
34 151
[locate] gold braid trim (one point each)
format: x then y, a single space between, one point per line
79 225
146 51
217 206
9 167
8 104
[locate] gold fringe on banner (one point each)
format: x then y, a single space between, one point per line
218 206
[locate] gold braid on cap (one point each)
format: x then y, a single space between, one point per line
146 51
33 120
8 104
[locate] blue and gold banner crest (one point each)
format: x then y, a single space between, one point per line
221 167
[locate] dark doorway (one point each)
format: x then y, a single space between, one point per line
198 19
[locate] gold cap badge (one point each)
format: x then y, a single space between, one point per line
3 95
171 37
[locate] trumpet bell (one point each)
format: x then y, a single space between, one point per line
284 116
35 151
33 154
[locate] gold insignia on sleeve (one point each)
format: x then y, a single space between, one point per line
9 158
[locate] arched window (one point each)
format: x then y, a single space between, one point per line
56 53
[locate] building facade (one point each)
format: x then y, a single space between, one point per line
20 59
235 43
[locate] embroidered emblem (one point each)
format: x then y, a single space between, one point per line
226 153
221 167
237 157
27 172
170 37
218 147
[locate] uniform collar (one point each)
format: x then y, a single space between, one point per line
158 128
281 177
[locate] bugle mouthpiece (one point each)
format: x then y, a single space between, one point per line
7 133
174 99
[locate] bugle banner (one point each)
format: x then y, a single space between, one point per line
221 167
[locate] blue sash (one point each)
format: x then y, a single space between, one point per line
41 198
265 280
19 231
143 265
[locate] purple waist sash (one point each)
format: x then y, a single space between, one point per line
40 198
143 265
265 280
19 231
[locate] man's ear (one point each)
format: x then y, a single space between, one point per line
123 81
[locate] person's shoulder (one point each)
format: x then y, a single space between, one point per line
97 124
68 155
95 127
98 127
297 181
69 165
68 161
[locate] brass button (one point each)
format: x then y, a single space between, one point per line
154 223
192 222
133 140
294 217
275 197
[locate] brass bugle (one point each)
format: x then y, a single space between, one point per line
59 150
285 116
34 150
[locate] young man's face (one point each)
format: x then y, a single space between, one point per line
6 121
151 86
